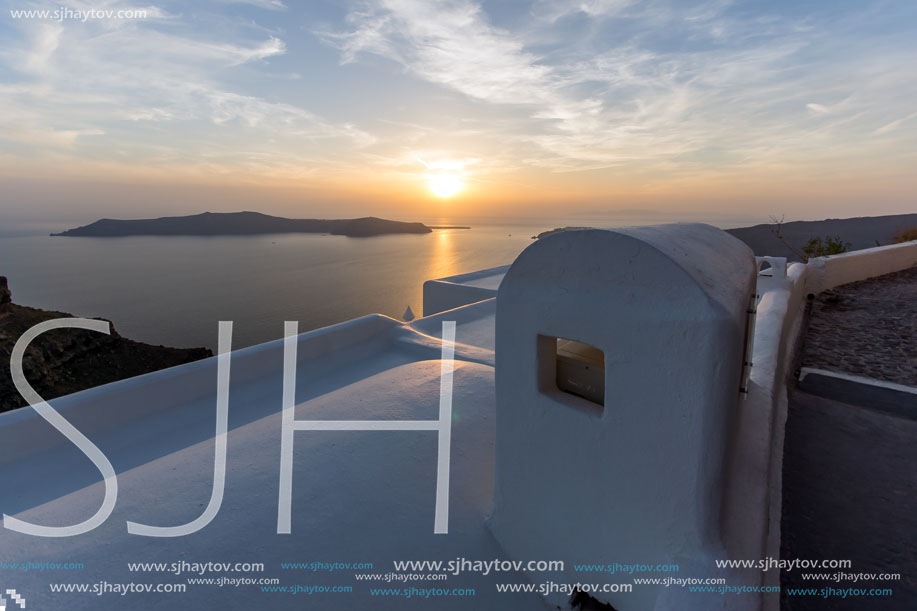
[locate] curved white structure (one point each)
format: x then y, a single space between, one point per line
639 478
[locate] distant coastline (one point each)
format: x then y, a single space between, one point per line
241 223
860 232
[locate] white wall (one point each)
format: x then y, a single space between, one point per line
836 270
455 291
575 483
640 480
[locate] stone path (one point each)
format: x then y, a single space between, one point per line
850 455
867 328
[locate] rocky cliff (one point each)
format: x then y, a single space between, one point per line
65 361
6 298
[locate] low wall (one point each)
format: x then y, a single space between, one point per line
455 291
23 432
861 264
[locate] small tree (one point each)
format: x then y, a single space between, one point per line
830 245
777 231
815 247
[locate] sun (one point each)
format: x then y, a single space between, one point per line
444 185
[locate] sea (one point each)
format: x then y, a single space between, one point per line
173 290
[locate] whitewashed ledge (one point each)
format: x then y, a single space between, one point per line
358 495
455 291
368 495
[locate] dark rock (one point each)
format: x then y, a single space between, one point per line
63 361
6 297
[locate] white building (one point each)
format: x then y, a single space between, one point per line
619 363
658 459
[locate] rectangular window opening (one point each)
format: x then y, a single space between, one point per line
580 370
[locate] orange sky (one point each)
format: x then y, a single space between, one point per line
526 110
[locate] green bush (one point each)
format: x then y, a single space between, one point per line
829 245
905 236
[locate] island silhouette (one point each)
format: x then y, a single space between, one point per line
241 223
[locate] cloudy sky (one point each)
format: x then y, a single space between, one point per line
533 107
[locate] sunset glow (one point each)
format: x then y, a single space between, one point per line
326 108
444 185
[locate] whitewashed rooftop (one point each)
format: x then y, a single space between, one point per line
357 496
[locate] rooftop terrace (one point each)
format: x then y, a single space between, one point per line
371 496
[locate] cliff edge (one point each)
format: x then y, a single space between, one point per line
64 361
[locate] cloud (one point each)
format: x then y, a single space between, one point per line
619 83
271 5
452 44
45 40
446 43
152 88
42 136
552 10
660 88
240 55
894 125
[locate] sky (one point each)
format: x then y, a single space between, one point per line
425 108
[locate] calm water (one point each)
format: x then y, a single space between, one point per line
174 290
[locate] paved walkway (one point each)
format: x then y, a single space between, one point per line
867 328
850 462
